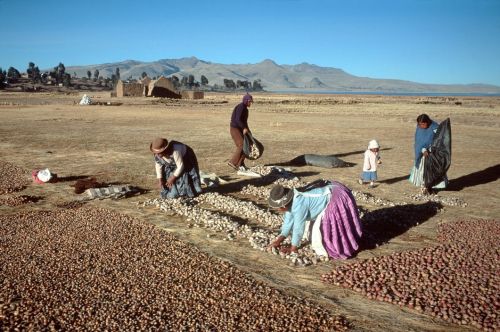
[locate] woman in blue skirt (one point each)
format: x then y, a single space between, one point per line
176 169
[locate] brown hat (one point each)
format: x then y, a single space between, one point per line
159 145
280 196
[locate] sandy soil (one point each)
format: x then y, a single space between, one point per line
111 143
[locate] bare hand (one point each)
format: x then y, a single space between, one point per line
171 181
276 243
289 250
426 153
245 131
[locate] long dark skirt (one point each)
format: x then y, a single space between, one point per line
188 183
341 227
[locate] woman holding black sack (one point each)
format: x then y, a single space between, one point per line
425 138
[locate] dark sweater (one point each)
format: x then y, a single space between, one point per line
239 117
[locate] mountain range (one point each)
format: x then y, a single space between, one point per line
275 77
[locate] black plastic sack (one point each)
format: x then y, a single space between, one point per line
328 161
438 161
324 161
252 148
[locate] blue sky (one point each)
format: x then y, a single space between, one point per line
427 41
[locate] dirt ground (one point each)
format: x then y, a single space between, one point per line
111 143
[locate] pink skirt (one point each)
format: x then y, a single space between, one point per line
341 227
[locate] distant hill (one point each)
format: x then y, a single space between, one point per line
275 77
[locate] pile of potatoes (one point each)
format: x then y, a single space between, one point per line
457 280
12 178
89 269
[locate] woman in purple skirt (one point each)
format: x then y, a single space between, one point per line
330 205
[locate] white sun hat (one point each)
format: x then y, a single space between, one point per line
373 144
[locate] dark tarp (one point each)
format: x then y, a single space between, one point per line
439 160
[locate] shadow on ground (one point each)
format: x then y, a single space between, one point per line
71 178
396 179
237 186
355 152
384 224
487 175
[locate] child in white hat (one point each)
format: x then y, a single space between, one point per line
371 160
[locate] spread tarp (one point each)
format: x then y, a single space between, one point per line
439 160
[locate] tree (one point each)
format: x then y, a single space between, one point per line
31 66
58 72
229 84
204 80
96 74
66 81
13 74
36 76
117 73
184 81
144 74
191 81
33 73
114 79
243 84
3 78
175 81
257 86
89 74
61 70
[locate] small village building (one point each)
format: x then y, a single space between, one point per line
192 94
163 87
129 89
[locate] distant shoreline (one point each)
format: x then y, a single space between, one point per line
409 94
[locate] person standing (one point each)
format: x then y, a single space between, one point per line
176 168
370 162
238 127
424 136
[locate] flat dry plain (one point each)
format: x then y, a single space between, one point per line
111 143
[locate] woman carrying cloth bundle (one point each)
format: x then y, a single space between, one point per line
330 206
176 169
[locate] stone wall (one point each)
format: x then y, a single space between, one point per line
190 94
129 89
